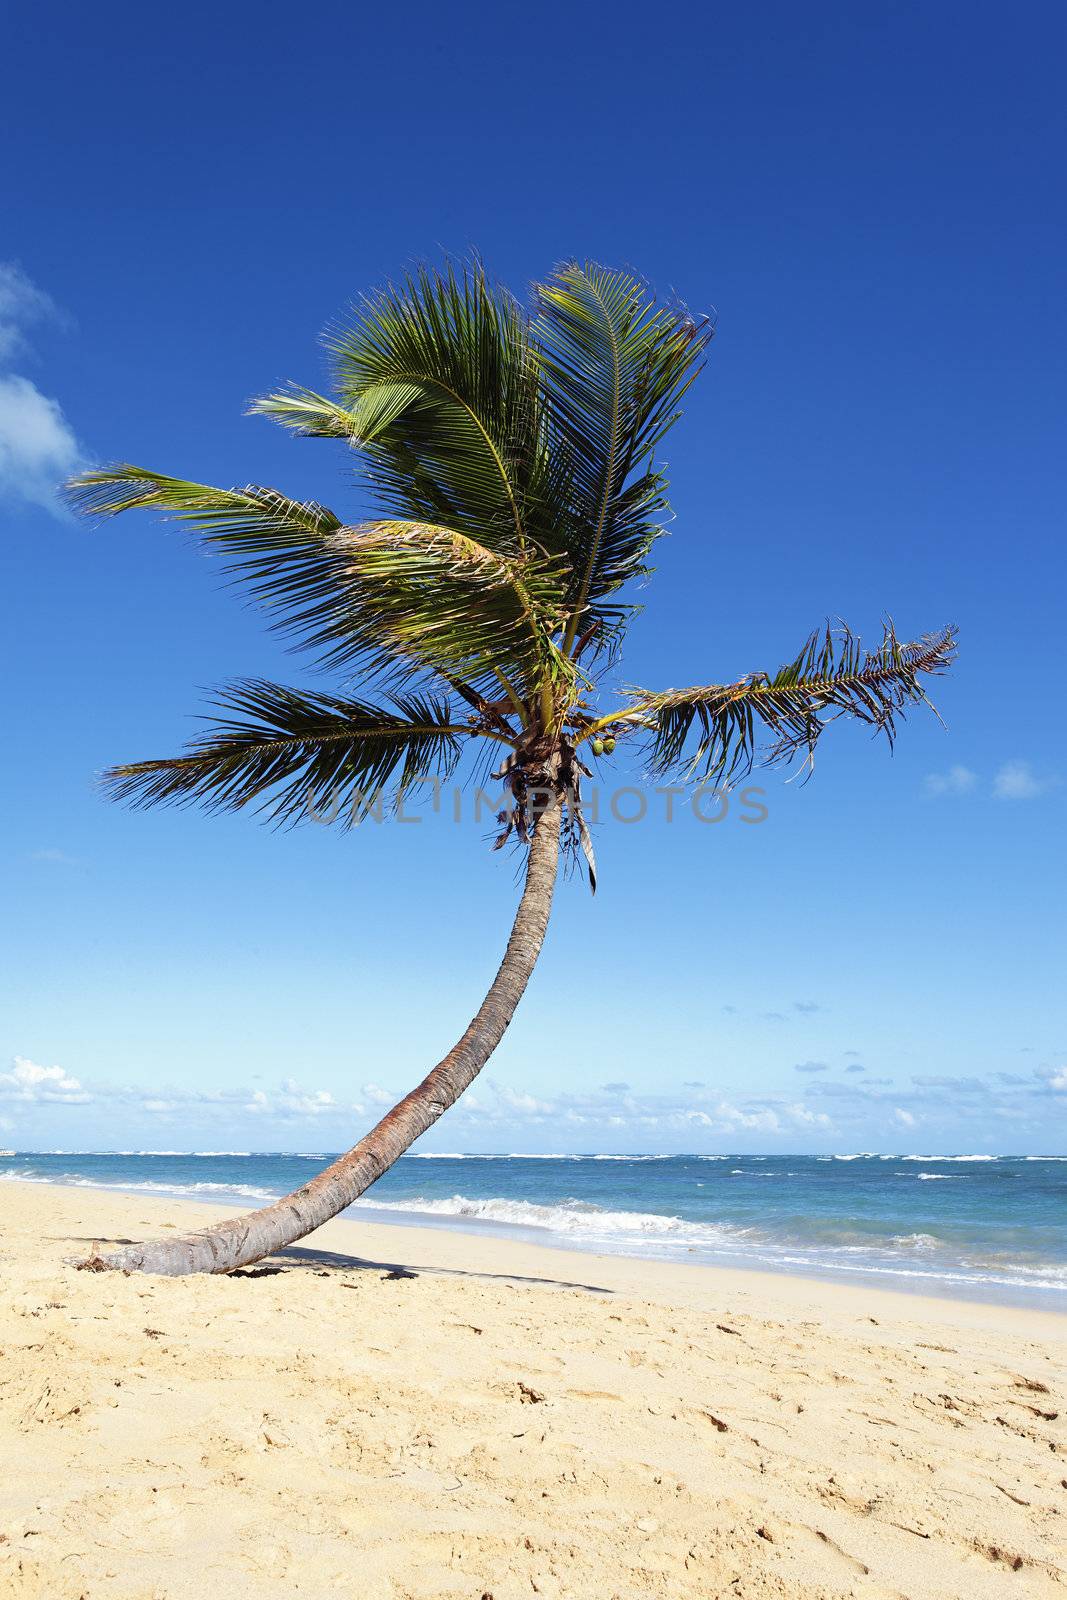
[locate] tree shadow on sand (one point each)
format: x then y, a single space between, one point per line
298 1259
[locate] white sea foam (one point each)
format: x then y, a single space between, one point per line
639 1158
947 1158
480 1155
574 1218
132 1185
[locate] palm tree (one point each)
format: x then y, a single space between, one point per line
511 454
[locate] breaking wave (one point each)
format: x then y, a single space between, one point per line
576 1218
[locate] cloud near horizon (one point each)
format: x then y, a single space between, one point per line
48 1103
38 447
29 1082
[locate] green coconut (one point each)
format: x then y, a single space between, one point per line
598 746
609 745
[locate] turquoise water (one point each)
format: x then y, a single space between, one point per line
992 1227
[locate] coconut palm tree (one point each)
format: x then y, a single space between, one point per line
511 456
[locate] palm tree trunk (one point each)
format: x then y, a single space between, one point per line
244 1239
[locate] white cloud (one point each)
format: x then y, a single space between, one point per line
1017 780
1058 1080
733 1117
527 1104
377 1095
905 1118
957 780
21 305
28 1081
297 1102
38 448
803 1118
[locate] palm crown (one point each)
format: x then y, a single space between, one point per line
512 456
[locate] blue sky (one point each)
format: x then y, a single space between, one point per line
867 197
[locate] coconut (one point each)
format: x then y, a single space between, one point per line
598 747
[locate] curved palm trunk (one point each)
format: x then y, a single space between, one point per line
244 1239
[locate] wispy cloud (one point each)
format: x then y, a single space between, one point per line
22 304
957 780
638 1120
1017 780
377 1095
54 857
38 447
293 1101
811 1066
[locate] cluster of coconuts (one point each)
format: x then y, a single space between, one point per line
603 747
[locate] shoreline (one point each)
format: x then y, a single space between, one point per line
413 1242
434 1415
908 1285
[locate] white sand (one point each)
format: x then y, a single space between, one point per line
509 1421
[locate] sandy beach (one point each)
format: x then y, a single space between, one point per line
401 1414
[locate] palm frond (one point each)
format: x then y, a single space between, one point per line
291 750
392 599
443 364
830 678
312 415
615 367
288 551
455 605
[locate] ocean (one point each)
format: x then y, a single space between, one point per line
979 1226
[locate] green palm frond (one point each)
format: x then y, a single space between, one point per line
440 379
831 677
290 750
288 551
390 598
615 367
314 416
458 607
